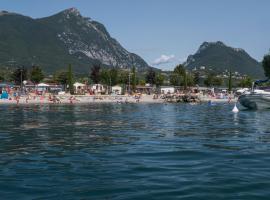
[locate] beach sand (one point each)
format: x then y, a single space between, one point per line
87 99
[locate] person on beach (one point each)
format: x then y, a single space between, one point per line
27 98
17 98
58 100
229 99
71 99
41 98
54 99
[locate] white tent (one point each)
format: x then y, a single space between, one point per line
43 85
77 84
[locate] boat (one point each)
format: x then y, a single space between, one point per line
256 99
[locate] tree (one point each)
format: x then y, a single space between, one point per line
36 74
95 73
105 76
141 82
230 82
109 76
123 77
189 80
19 75
180 73
197 78
113 76
212 80
6 74
159 79
70 79
133 78
180 70
246 82
209 80
266 65
175 80
217 81
150 76
61 77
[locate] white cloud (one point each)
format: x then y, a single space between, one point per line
163 59
182 60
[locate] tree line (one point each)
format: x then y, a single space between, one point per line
180 76
18 75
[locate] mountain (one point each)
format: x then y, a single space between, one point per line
220 57
64 38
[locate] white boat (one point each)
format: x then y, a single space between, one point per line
255 99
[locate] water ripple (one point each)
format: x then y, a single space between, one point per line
133 151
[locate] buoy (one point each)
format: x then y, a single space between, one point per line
235 109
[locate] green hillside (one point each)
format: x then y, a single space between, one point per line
59 40
219 57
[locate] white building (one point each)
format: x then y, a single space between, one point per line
202 67
79 87
116 90
98 88
167 90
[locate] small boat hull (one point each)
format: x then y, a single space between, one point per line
255 101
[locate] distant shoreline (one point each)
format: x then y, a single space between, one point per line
81 99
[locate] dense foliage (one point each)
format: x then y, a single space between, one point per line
266 65
19 75
36 74
70 79
95 74
245 82
61 77
180 77
150 76
212 80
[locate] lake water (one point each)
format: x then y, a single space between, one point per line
134 151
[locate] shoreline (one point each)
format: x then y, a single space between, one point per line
81 99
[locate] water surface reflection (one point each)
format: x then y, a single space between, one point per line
133 151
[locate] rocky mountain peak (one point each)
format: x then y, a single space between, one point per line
73 10
205 45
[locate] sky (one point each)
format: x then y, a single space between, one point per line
165 32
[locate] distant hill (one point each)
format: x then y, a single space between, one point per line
219 57
64 38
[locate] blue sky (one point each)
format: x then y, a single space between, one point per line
167 31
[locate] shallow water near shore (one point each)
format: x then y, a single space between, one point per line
133 151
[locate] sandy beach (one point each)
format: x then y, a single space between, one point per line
88 99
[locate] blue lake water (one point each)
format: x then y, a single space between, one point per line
134 151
